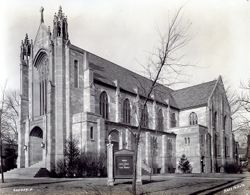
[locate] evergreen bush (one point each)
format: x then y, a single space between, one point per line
77 164
184 165
232 168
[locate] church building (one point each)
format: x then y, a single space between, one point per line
68 92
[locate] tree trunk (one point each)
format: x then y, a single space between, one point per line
248 151
135 164
1 145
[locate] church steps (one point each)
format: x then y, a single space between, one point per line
35 170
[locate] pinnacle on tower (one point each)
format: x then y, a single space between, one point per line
25 47
60 13
26 39
41 10
60 25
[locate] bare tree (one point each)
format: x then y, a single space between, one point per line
153 151
233 97
238 119
244 126
167 59
2 111
245 97
11 116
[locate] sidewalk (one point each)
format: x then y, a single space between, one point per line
161 184
45 180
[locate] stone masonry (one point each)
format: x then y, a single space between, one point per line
68 92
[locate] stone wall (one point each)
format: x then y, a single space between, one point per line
82 123
115 110
76 93
190 141
201 115
218 104
160 155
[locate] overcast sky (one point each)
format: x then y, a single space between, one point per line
125 31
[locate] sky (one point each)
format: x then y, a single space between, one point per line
124 32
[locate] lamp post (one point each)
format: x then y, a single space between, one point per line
42 145
25 147
1 146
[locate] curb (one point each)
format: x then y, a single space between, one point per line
218 188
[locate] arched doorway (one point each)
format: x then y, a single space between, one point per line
114 137
35 149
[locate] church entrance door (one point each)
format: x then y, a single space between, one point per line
35 149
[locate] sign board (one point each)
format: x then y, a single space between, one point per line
123 164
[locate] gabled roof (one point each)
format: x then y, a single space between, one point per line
108 72
194 96
41 39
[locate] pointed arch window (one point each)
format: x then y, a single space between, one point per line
225 147
173 120
169 148
160 120
193 119
126 111
215 145
224 122
39 86
104 105
144 117
43 96
76 74
215 121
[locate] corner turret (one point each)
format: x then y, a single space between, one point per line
60 25
25 49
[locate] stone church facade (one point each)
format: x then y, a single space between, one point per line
69 92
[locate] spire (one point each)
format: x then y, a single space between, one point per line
60 25
60 13
25 47
26 39
41 10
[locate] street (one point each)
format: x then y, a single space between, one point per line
228 184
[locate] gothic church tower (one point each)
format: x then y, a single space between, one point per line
43 115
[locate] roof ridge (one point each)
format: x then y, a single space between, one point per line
195 85
113 67
168 88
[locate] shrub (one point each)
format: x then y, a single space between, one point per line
10 159
184 165
75 164
171 168
60 169
232 168
91 165
67 167
71 157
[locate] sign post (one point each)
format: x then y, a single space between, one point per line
110 164
120 164
123 161
138 177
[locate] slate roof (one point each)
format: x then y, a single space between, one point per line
108 72
194 96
